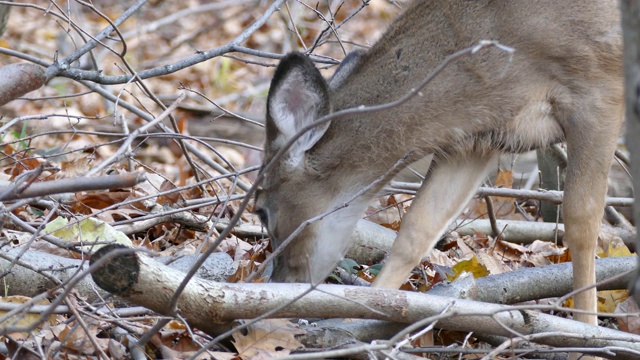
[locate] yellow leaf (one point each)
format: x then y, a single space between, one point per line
471 266
619 250
608 300
23 319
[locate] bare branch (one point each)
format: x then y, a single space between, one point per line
72 185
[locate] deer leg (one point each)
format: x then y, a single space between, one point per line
447 190
590 150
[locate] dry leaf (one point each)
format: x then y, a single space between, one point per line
543 253
630 324
614 249
609 300
170 198
267 339
438 257
465 251
509 251
23 319
492 262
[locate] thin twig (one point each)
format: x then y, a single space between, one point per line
492 216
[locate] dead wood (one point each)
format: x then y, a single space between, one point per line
204 304
34 272
535 283
19 79
70 185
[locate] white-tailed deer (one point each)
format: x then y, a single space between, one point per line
564 82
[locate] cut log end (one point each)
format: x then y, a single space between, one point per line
118 268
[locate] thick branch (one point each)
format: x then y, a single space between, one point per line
19 79
372 242
203 304
535 283
34 272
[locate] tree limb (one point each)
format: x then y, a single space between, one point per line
135 277
70 185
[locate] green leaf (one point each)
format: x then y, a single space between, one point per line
375 269
88 231
349 265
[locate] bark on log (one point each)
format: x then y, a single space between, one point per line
371 242
26 282
204 304
19 79
535 283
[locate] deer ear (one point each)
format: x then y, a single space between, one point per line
298 96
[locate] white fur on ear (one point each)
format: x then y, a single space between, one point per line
295 103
